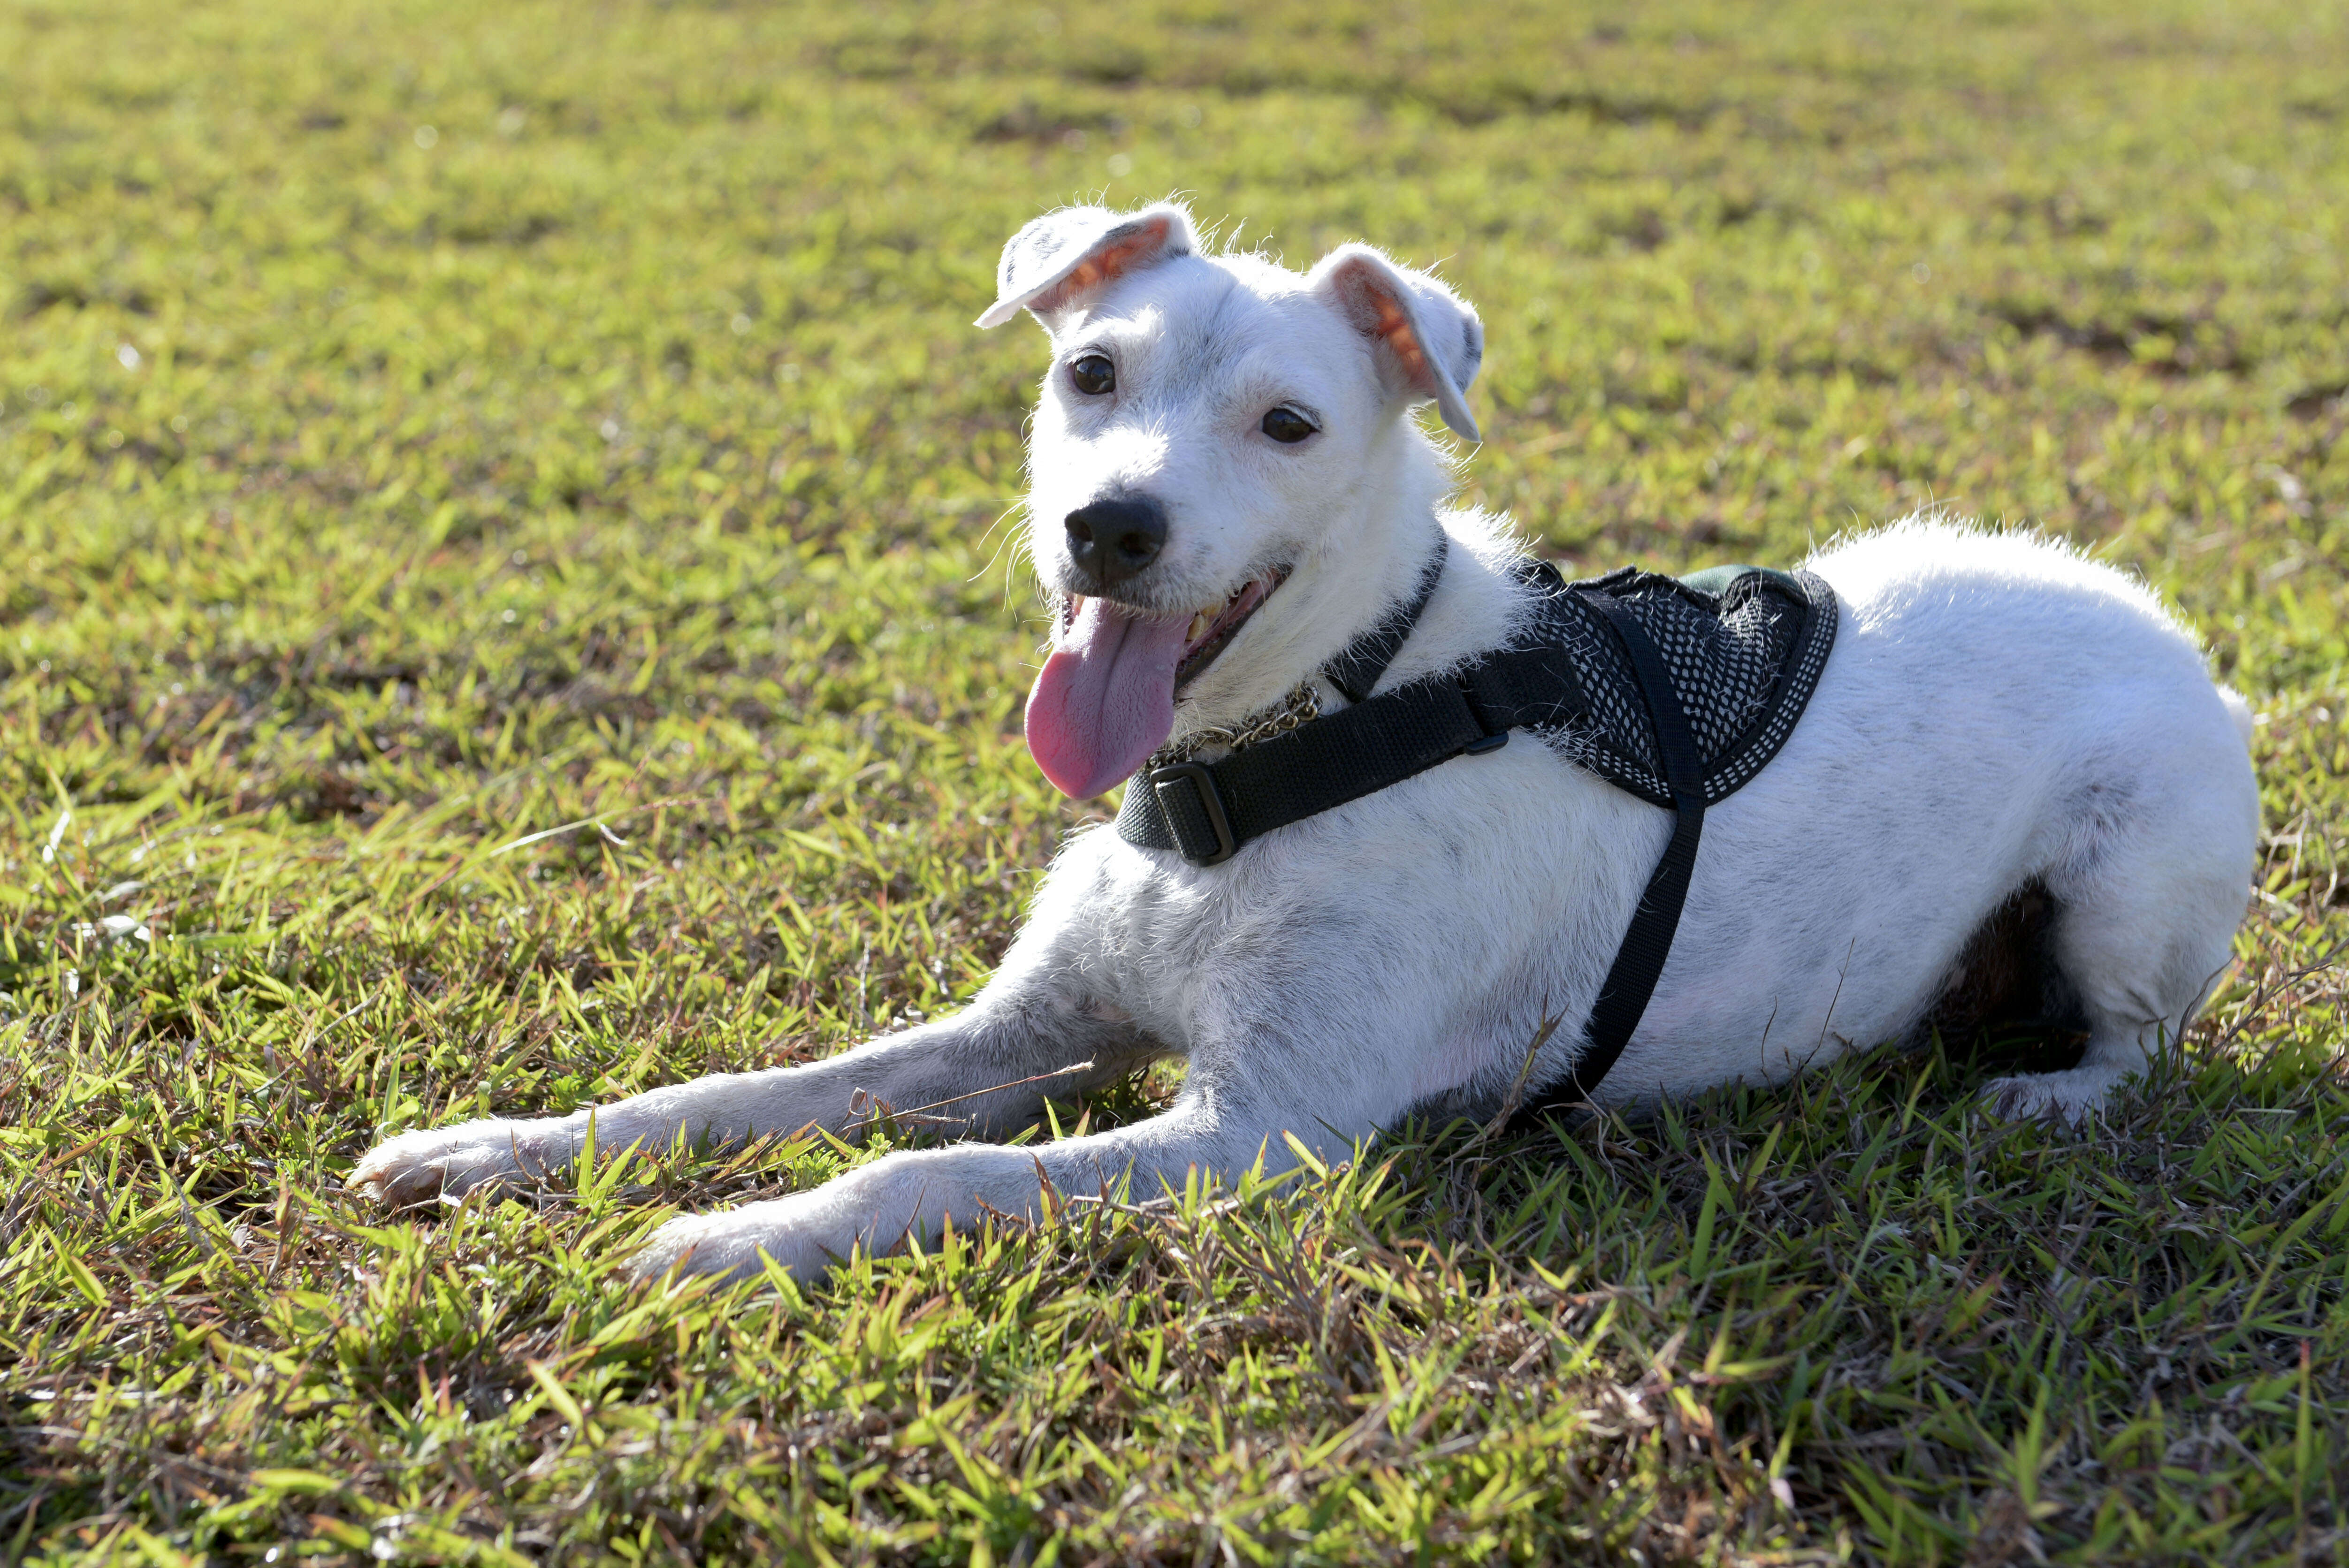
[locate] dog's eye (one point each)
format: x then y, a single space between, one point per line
1287 426
1093 373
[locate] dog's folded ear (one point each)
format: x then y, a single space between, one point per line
1060 258
1426 339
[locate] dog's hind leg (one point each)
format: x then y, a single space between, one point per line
2149 888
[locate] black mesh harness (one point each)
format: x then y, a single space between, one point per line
1678 690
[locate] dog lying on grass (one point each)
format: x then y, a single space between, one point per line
2012 754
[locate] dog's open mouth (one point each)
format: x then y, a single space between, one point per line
1212 630
1106 699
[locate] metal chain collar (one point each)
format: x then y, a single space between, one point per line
1301 705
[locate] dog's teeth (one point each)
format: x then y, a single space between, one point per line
1199 625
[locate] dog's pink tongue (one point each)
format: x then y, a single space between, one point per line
1105 699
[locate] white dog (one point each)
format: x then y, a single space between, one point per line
1228 489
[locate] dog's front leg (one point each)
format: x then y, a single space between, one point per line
967 1073
917 1192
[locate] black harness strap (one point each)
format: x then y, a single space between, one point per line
1639 961
1208 810
1356 671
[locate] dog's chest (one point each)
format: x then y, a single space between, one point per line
1427 892
1181 950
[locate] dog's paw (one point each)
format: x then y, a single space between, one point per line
448 1162
2072 1099
727 1244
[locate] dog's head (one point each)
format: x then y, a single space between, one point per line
1220 446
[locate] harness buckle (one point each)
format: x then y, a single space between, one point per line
1187 810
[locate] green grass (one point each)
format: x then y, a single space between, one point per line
375 513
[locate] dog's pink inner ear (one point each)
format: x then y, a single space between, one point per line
1395 327
1378 312
1386 308
1104 265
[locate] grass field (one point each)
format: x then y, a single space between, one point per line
504 600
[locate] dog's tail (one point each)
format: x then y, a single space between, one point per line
2239 711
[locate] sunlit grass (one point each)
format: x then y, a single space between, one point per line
505 600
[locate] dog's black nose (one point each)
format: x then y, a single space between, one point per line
1112 541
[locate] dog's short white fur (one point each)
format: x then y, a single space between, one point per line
1998 711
